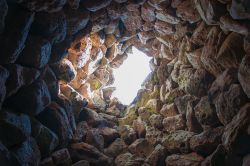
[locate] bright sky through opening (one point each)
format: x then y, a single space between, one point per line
130 76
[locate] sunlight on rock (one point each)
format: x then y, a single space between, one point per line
131 74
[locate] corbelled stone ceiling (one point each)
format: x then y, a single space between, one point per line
57 59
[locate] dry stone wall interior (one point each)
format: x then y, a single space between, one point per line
56 73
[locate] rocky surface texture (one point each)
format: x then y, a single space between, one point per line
56 73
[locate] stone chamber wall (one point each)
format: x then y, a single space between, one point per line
56 63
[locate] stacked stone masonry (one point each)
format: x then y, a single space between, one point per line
56 73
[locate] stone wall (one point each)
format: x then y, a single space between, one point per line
56 67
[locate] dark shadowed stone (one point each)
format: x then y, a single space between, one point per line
94 138
59 51
51 81
92 118
127 133
231 51
246 160
216 158
36 52
95 5
19 76
7 158
192 123
61 157
228 103
46 140
191 159
158 156
81 163
4 74
47 5
52 26
64 70
117 147
55 118
220 157
244 75
15 33
83 151
227 23
76 20
31 99
46 162
3 13
210 10
28 152
206 114
236 134
16 128
240 9
199 82
206 142
222 83
109 135
67 105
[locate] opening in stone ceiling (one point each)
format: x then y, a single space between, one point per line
130 76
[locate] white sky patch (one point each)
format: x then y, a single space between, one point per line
130 76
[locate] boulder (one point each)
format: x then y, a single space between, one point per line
240 9
187 12
140 147
16 128
27 153
36 52
157 157
109 135
206 142
191 159
83 151
52 26
64 70
96 5
15 33
206 114
169 110
94 138
153 135
7 158
55 118
228 103
46 139
47 6
229 24
243 75
173 123
127 134
4 10
156 121
19 77
76 20
115 148
61 157
177 141
236 134
4 74
32 98
199 82
228 49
